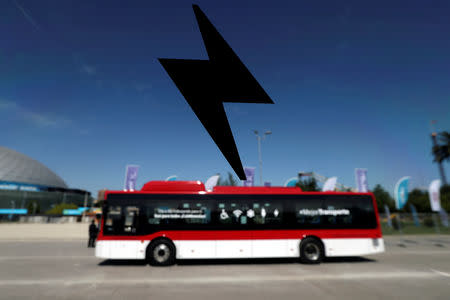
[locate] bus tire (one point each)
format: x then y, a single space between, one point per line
161 252
311 251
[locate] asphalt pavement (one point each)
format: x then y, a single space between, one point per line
414 267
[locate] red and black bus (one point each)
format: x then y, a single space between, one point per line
170 220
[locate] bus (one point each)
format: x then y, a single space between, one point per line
170 220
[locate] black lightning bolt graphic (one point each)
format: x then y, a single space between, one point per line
206 84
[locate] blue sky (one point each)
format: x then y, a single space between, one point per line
355 84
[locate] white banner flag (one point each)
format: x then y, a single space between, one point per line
211 182
433 193
330 184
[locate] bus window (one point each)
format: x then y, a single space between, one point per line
177 213
121 220
131 219
268 212
308 213
245 213
350 212
197 212
228 213
112 219
234 213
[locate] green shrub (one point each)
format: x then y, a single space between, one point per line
395 224
58 209
428 222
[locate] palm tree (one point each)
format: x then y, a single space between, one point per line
444 138
441 151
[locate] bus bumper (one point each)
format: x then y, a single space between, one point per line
101 250
121 249
353 247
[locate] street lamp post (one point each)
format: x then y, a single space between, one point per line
259 138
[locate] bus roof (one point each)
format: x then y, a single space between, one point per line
197 187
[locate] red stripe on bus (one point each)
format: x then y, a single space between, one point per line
251 234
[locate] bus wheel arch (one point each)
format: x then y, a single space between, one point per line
161 251
312 250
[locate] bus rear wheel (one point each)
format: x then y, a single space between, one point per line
161 253
311 251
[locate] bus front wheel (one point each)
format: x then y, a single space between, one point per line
311 251
161 252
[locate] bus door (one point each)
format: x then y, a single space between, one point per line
122 221
268 237
234 219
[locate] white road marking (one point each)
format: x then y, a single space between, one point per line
54 257
222 279
415 252
445 274
40 257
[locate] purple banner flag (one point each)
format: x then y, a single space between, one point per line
361 180
250 175
131 177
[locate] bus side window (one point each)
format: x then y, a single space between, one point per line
225 213
308 213
131 219
177 214
235 213
261 212
274 213
113 222
266 212
150 215
352 212
331 219
197 212
244 213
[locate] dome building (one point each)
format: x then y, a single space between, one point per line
28 184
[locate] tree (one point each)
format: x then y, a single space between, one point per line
382 197
444 145
230 181
441 151
445 197
308 185
420 200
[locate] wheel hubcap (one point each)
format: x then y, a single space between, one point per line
161 253
312 251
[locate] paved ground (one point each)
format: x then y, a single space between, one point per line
37 231
416 267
